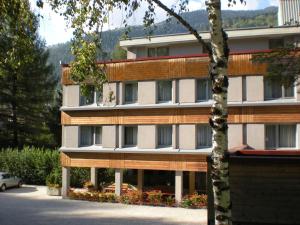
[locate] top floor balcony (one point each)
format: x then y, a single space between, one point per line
162 68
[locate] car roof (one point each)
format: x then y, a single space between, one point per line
1 173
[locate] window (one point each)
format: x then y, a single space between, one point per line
92 97
244 88
274 89
131 92
90 136
6 176
276 43
130 136
98 135
164 91
280 136
164 136
160 51
204 92
204 136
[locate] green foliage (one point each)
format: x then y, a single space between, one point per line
84 66
154 197
54 178
79 176
170 201
26 85
131 197
93 196
118 53
194 201
138 198
283 64
32 165
36 165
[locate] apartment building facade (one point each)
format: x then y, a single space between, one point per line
153 112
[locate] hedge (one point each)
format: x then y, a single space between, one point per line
33 165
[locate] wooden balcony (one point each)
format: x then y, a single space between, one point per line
195 66
171 162
237 115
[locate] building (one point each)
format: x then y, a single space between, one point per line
153 113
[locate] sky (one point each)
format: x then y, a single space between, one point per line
54 29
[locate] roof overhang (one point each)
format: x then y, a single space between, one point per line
232 34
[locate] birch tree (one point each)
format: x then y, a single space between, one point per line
87 18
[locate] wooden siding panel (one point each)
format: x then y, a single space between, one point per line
239 64
265 192
184 162
258 114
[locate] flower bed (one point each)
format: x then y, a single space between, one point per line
155 198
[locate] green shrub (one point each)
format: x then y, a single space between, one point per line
54 178
154 197
194 201
186 203
170 201
31 164
79 176
131 197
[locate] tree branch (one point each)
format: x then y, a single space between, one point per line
184 23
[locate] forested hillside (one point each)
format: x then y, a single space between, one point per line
198 19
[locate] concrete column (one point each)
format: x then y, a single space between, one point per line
94 177
109 136
118 181
254 88
187 91
174 136
121 93
187 136
140 180
256 136
298 92
174 91
235 89
65 181
70 136
235 135
121 136
191 182
146 137
298 138
178 185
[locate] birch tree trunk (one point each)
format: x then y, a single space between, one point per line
218 120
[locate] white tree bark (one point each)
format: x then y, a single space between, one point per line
218 121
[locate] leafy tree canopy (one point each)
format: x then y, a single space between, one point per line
283 64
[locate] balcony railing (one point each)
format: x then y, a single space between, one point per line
195 66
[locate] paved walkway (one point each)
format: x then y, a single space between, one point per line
30 205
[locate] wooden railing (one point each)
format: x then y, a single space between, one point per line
172 68
237 115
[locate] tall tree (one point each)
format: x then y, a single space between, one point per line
87 18
26 85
